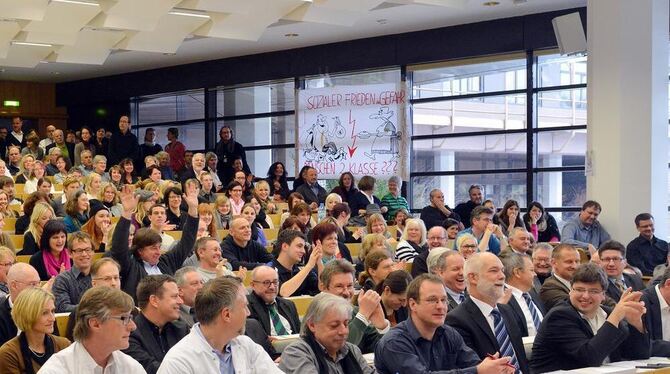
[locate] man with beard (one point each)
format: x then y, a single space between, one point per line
464 209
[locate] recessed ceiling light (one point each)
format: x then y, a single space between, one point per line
32 44
491 3
291 35
382 21
78 2
169 54
188 13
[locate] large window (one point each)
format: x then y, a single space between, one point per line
471 125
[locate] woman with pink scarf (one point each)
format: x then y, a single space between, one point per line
53 257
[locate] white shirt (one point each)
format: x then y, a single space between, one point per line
284 322
665 314
486 310
193 354
18 136
44 143
75 359
518 296
167 242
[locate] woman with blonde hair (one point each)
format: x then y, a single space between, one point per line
25 169
32 184
371 243
109 197
262 194
93 185
466 244
413 240
223 215
34 313
42 213
331 200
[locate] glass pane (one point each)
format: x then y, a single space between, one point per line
192 135
468 115
561 148
372 77
262 131
261 98
561 188
557 70
470 79
260 160
498 187
561 108
563 217
488 152
179 107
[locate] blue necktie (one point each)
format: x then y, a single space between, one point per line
461 298
533 310
503 339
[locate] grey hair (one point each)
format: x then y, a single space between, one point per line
97 158
418 222
515 230
473 266
396 179
439 262
543 246
53 150
180 275
322 304
433 257
512 261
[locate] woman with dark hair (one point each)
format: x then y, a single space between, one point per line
324 236
377 266
293 223
227 149
76 211
401 215
33 313
128 171
52 256
86 143
393 291
257 234
541 224
300 179
365 196
341 214
174 214
293 199
509 216
234 193
453 227
346 187
100 142
277 179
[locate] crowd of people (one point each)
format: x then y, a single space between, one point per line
433 291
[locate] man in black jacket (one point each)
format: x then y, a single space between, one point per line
464 209
158 325
581 333
524 301
145 255
20 277
240 250
612 256
437 212
656 300
124 145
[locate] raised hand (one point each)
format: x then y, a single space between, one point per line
368 301
316 255
129 200
190 196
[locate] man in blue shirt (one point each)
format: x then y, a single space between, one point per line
423 343
585 231
485 231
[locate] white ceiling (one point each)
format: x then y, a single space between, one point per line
106 37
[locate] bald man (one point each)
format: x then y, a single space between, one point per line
240 250
20 277
436 238
49 140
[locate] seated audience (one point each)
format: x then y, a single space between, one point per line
7 259
70 186
542 253
215 343
76 211
368 323
293 199
158 324
240 250
612 256
436 238
312 191
331 200
5 239
518 241
175 216
346 187
401 215
234 193
424 344
322 347
466 245
464 209
102 328
435 213
257 234
448 266
145 258
324 238
277 181
509 217
393 292
485 325
70 285
581 332
210 262
158 222
189 281
207 192
412 242
453 227
489 236
223 214
371 243
52 258
393 201
20 277
365 196
524 301
289 252
541 224
647 250
99 226
262 194
656 300
25 169
556 288
378 265
61 173
585 231
34 314
31 225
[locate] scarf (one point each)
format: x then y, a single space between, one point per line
149 144
28 355
52 264
349 363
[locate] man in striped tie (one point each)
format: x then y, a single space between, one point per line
486 326
526 304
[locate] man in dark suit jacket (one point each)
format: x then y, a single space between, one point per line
474 318
158 325
564 262
657 298
448 266
524 301
581 333
612 256
59 141
313 193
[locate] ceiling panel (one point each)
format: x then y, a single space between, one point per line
92 47
167 36
25 56
8 30
23 9
141 15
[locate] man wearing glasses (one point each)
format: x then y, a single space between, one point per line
613 260
102 328
582 333
70 285
6 261
368 322
436 238
20 277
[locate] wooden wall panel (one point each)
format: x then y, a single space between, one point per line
38 102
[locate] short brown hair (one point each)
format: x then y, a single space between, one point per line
95 268
217 294
145 237
99 303
335 267
152 285
415 286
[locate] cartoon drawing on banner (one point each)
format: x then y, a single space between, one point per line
320 140
386 136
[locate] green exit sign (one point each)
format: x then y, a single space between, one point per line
14 103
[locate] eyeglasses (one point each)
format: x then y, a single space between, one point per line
436 238
108 279
608 259
342 288
469 246
592 292
267 283
82 251
435 301
125 319
31 284
6 263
